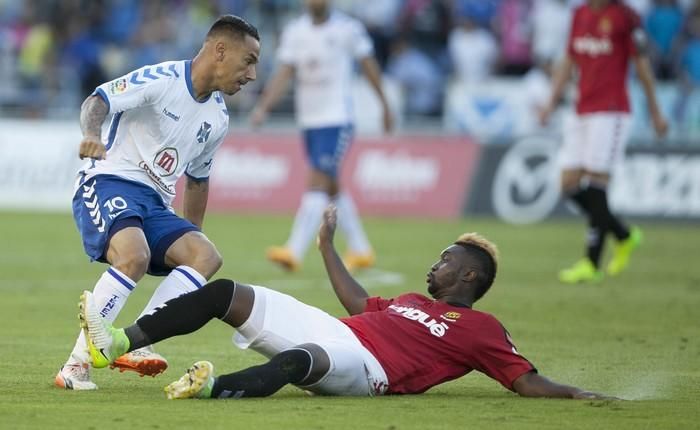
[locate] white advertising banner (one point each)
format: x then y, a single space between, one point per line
38 163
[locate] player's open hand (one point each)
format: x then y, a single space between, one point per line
91 147
660 125
257 117
590 395
543 114
328 225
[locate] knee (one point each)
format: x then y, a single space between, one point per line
209 261
202 256
134 263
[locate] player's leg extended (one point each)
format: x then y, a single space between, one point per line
221 299
128 254
194 259
304 364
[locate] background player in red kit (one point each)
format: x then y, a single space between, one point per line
403 345
605 35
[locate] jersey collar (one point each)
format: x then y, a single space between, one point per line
188 80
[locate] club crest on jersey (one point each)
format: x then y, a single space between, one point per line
166 161
204 132
118 86
451 316
605 25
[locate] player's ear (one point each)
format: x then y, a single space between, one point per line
469 275
219 50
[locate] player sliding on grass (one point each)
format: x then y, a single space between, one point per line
403 345
168 120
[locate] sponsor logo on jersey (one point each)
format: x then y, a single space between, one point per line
593 46
166 161
155 178
118 86
451 316
204 132
436 329
170 115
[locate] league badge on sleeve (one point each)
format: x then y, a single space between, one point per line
118 86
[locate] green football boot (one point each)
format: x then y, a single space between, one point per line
582 271
623 250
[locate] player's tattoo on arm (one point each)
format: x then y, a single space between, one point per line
195 200
92 114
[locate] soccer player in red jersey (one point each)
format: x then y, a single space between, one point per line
403 345
605 35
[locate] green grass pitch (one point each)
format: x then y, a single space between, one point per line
635 336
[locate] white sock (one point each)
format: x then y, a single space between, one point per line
307 222
110 293
349 223
181 280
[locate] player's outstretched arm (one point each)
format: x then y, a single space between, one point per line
350 293
532 384
92 114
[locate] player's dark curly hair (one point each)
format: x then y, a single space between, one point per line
234 24
485 254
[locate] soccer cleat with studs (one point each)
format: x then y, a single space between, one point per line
105 343
196 383
143 361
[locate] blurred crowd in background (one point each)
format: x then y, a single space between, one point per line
55 52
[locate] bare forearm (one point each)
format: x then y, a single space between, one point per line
646 77
532 384
195 201
374 76
350 293
276 88
560 78
92 114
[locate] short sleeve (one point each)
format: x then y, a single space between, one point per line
376 304
199 169
637 38
360 42
286 54
496 356
138 88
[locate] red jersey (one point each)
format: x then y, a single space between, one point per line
601 44
421 343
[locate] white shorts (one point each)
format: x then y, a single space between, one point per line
595 142
279 322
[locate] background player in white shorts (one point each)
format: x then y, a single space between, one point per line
403 345
605 35
318 49
168 120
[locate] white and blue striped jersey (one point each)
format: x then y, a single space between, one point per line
323 57
158 130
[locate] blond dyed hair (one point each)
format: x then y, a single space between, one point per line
480 241
483 250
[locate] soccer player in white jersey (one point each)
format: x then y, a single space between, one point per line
319 49
167 120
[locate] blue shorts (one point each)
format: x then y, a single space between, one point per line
105 204
326 147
